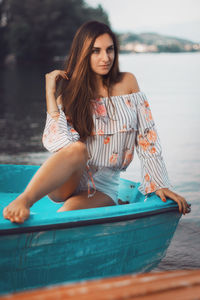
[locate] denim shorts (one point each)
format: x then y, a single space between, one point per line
104 180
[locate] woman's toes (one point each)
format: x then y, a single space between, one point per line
18 219
22 218
8 215
5 212
12 216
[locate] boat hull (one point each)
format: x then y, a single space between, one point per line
84 244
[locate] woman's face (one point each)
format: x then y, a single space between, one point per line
103 54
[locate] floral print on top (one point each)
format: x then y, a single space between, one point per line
119 128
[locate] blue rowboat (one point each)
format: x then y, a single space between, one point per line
51 248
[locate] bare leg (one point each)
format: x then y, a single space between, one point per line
64 191
52 174
81 201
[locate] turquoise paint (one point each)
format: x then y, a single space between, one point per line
45 257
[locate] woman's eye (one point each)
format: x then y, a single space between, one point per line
110 50
95 51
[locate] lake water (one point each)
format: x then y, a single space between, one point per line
171 83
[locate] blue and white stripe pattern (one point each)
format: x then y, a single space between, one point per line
58 133
119 128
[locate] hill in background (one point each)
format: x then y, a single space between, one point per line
154 42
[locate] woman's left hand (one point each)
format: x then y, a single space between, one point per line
184 207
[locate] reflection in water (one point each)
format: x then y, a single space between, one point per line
183 252
23 108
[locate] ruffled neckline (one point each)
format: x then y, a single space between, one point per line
119 96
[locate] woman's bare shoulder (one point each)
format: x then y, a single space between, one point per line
130 83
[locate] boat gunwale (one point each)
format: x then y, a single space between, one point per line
88 222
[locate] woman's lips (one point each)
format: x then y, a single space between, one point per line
104 66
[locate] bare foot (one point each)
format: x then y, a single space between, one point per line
18 210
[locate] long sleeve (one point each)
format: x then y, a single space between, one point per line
58 133
148 147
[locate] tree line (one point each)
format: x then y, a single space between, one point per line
39 30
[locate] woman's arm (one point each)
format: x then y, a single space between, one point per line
58 133
154 173
52 107
50 86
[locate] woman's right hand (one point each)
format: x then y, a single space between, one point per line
51 79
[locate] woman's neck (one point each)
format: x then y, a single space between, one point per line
99 81
101 90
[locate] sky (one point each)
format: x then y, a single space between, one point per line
179 18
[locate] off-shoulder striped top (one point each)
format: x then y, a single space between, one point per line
121 125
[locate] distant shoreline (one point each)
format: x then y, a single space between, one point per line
155 43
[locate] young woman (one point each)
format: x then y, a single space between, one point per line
96 116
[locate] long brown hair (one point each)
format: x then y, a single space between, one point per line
81 87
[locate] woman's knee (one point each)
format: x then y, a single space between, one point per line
67 189
61 194
58 196
79 151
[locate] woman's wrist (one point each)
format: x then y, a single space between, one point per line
50 92
51 103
